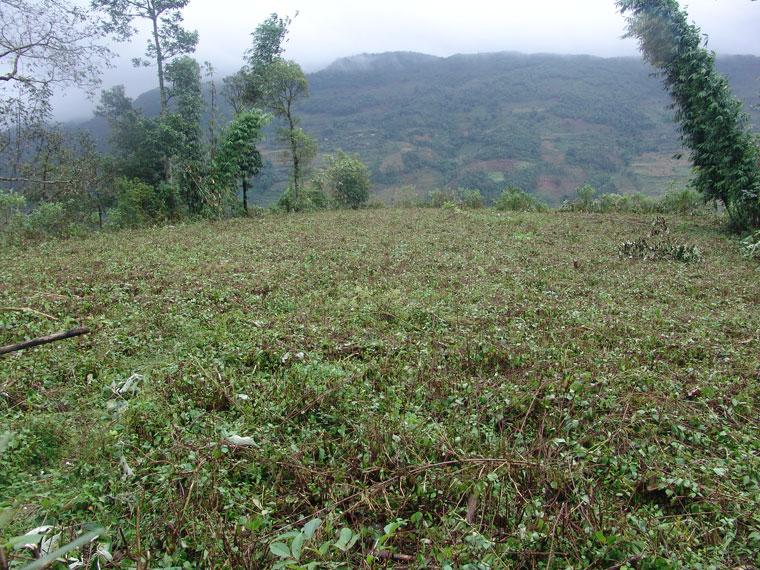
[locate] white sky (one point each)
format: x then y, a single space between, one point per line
325 30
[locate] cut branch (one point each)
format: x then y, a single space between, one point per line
44 340
28 310
33 181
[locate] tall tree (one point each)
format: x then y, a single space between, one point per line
184 91
213 140
168 38
245 88
713 124
285 85
141 145
267 46
44 45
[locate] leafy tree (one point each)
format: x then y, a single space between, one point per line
44 45
713 125
238 158
285 85
234 90
345 179
141 145
268 44
246 88
168 38
183 78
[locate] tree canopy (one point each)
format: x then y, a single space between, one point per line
713 125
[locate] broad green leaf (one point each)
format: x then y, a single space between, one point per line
311 527
343 538
280 549
297 545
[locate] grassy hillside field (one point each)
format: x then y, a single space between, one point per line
401 388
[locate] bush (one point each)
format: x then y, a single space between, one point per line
139 204
437 198
11 216
345 180
586 195
682 202
46 220
472 199
11 206
751 246
407 197
310 199
516 200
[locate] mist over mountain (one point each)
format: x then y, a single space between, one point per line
546 123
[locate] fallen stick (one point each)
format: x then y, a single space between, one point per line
28 310
44 340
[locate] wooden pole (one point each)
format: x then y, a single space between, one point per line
44 340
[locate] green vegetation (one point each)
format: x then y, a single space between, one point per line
441 384
345 180
515 200
713 125
437 387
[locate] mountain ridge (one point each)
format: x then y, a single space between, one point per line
545 122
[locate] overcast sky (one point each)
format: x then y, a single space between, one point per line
325 30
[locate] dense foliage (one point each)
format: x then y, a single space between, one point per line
238 157
345 179
713 125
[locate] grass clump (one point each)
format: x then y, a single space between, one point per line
386 387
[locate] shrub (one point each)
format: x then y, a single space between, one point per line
516 200
585 195
309 199
11 206
345 180
751 246
139 204
46 220
472 199
11 216
684 202
437 198
407 197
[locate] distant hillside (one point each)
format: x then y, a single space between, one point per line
547 123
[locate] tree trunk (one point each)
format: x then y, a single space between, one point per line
294 152
161 84
245 194
212 121
159 63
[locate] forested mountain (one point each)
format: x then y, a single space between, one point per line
546 123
